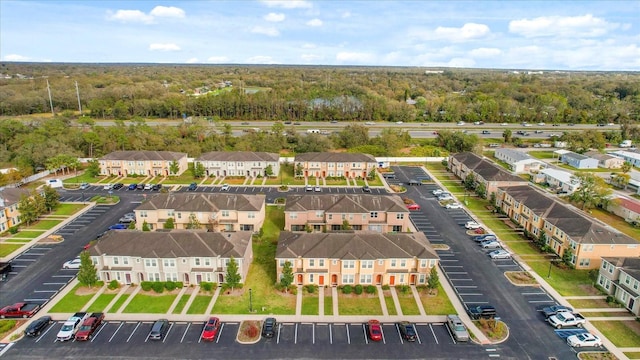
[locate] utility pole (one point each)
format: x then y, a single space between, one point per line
78 94
50 100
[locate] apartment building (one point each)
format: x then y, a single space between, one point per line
484 171
143 163
240 163
620 277
9 211
518 161
328 164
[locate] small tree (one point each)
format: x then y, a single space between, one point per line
567 256
287 275
193 222
132 225
197 170
626 167
345 225
87 273
174 167
169 224
470 182
51 198
145 226
28 210
233 277
433 281
93 169
481 190
299 169
268 171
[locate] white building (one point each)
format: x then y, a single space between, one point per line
562 180
630 156
519 161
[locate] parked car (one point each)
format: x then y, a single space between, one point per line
84 186
566 319
454 205
132 186
159 329
225 187
211 328
148 186
89 326
118 226
552 310
72 264
269 327
71 326
366 189
192 187
413 207
457 328
107 187
490 244
407 331
374 330
482 312
472 225
36 327
128 218
140 187
499 254
389 175
308 188
19 310
156 187
317 189
445 197
414 182
481 238
584 339
437 192
118 186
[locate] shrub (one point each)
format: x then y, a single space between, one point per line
358 289
146 285
385 287
13 230
157 286
311 289
251 331
370 289
206 286
347 289
404 289
169 285
113 284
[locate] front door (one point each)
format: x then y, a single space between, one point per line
321 280
334 279
300 279
631 303
392 280
413 279
379 279
127 278
198 278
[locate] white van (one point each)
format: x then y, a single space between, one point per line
55 183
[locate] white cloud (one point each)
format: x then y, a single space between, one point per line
134 16
269 31
461 63
192 61
260 59
167 11
314 22
355 57
164 47
468 31
485 52
288 4
310 57
218 59
16 57
562 26
309 46
346 14
274 17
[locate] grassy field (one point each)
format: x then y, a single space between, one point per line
438 304
621 333
6 249
310 305
66 209
408 304
100 304
26 234
328 304
44 225
199 304
152 304
72 302
118 303
358 305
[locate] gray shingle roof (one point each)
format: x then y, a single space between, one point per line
346 204
143 155
238 156
177 243
530 197
516 155
335 157
10 196
485 168
198 202
363 245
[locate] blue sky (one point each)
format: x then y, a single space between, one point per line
564 35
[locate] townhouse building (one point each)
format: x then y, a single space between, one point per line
328 164
9 211
356 212
364 258
485 172
564 228
143 163
240 163
132 256
620 277
212 211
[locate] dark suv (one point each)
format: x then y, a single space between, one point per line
159 329
407 330
269 327
482 312
192 187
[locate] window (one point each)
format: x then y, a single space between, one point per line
312 262
584 262
348 264
366 264
374 214
403 263
422 278
334 262
196 261
115 261
348 279
365 279
251 215
225 213
423 263
311 278
179 216
207 262
153 276
125 261
330 216
169 262
171 277
150 262
380 262
321 262
394 262
396 228
399 216
293 215
170 213
319 214
143 214
281 262
344 216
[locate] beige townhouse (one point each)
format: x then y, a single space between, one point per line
143 163
328 164
620 277
240 163
335 212
9 211
484 171
564 227
212 211
365 258
132 256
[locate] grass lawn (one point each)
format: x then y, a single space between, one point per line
118 303
310 305
68 209
358 305
617 222
6 249
17 240
621 333
633 355
186 178
26 234
152 304
72 302
567 282
328 305
408 304
181 303
542 154
438 304
82 178
44 225
101 303
590 303
199 304
391 307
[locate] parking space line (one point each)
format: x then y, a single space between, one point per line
56 283
364 331
168 331
219 332
45 333
399 334
114 334
330 335
185 332
418 335
279 328
348 335
94 336
295 335
541 301
202 332
434 334
134 331
450 334
384 341
45 291
29 300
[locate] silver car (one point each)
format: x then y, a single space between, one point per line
457 328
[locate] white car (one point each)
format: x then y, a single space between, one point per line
437 192
504 124
225 187
453 206
72 264
84 186
308 188
148 186
541 124
71 326
460 123
472 225
369 123
107 187
317 189
500 254
490 244
584 339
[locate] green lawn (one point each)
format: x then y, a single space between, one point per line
438 304
68 209
101 303
359 305
633 355
621 333
44 225
199 304
72 302
28 234
75 181
408 304
119 303
542 154
328 305
391 307
6 249
181 303
310 305
151 304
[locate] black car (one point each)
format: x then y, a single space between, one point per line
482 312
156 187
36 327
192 187
366 189
269 327
407 331
415 182
117 186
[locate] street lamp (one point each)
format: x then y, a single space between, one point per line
250 304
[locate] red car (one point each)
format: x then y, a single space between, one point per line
413 207
211 329
375 330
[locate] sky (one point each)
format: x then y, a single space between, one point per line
535 35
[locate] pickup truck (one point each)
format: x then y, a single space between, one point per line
566 319
71 326
89 326
19 310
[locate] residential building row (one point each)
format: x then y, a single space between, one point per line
9 212
484 171
620 278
